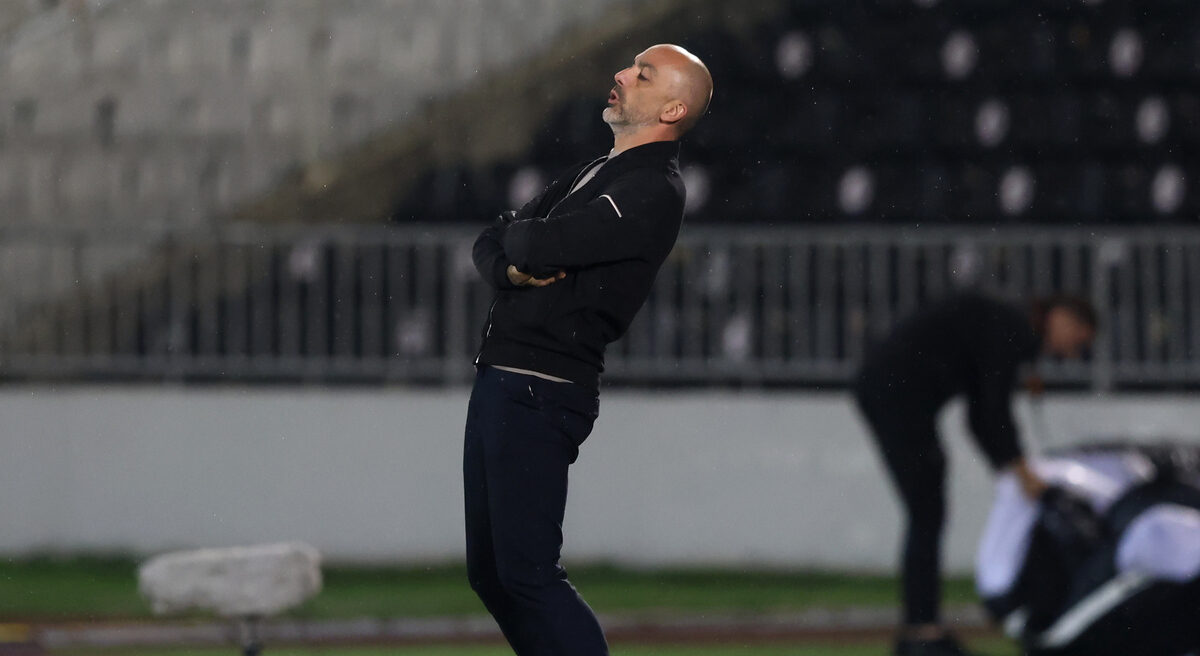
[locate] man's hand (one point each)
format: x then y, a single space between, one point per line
1031 484
527 280
1035 385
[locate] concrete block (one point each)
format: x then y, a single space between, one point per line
259 580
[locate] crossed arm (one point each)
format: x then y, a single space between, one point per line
539 251
494 266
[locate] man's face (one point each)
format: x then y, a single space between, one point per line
1066 335
640 92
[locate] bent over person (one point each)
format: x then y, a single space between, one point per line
969 345
571 269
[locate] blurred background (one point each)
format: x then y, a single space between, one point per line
237 301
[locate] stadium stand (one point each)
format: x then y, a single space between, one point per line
988 112
171 112
941 120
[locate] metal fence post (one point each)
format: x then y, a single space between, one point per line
457 276
1105 254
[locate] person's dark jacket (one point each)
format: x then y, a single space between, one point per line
967 344
610 237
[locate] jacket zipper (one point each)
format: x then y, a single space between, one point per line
570 190
488 332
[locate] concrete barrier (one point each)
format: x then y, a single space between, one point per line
253 581
685 478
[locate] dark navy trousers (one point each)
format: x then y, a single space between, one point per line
522 434
912 451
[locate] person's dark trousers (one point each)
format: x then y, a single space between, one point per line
522 434
908 442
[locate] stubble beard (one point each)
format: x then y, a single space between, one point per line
620 122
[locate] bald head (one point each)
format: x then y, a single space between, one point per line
692 83
661 96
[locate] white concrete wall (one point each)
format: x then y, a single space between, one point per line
667 477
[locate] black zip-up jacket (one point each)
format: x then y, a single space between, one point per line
610 237
967 344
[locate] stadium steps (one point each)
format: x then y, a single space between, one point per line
495 119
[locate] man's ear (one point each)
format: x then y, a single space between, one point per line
674 112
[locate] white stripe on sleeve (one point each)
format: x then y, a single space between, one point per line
614 204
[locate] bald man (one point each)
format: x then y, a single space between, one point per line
571 269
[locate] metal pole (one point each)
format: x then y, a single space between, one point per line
248 629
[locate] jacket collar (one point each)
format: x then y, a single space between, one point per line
655 152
